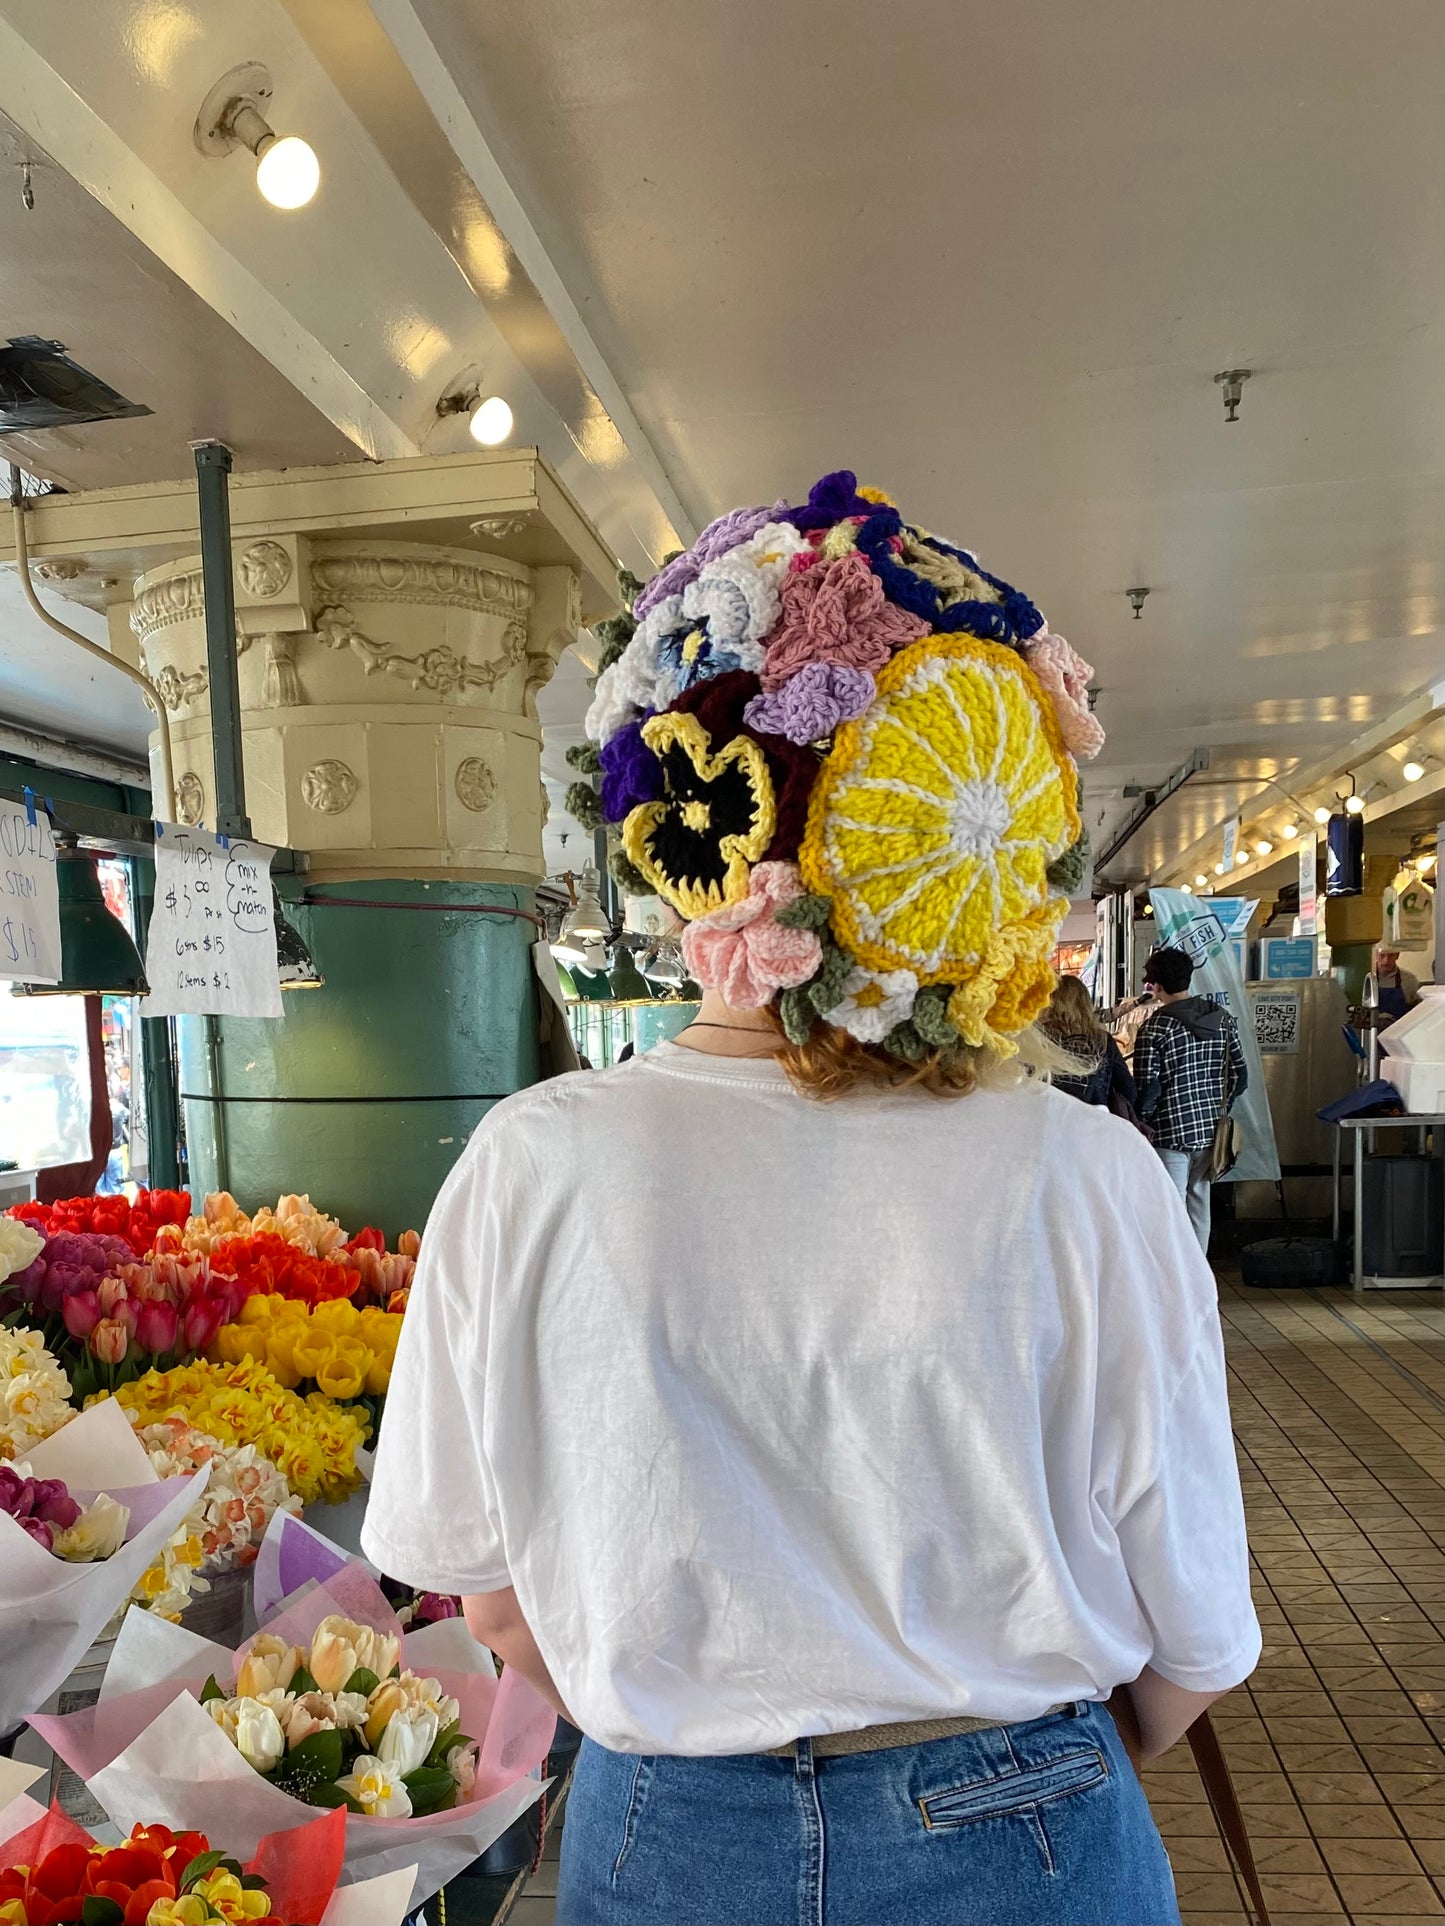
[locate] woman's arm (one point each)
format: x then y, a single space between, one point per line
1162 1712
495 1619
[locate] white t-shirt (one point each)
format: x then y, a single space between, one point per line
787 1418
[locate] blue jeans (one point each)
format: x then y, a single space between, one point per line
1186 1167
1037 1824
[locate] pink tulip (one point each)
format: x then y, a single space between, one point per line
156 1326
200 1322
112 1292
81 1313
110 1340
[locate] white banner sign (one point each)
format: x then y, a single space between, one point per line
211 949
1309 907
29 897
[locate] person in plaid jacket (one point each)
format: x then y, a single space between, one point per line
1189 1067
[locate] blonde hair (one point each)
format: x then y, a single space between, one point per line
831 1063
1073 1022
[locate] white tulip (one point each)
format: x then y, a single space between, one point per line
462 1765
409 1736
259 1738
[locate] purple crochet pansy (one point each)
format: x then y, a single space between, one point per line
830 499
631 774
716 539
811 704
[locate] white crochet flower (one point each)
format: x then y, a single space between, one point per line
630 685
872 1004
739 591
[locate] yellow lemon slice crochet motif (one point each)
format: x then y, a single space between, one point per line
938 812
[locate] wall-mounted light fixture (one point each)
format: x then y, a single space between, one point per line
1232 381
491 417
233 114
1136 600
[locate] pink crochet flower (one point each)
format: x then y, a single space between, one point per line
742 952
836 612
1066 675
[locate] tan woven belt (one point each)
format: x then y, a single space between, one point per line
882 1738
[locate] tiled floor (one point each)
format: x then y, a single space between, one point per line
1335 1742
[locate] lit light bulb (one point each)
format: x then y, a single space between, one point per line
1201 881
1290 831
1322 815
1219 869
1264 847
1186 889
1241 857
491 421
288 172
1425 865
1413 771
1355 805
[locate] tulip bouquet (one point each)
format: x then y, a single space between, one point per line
81 1517
52 1870
333 1348
428 1753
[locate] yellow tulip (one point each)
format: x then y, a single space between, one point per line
342 1373
310 1352
378 1377
337 1315
236 1342
280 1361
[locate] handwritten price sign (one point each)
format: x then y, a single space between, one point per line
211 950
29 899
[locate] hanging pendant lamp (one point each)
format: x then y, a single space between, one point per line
97 956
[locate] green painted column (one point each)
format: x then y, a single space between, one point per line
365 1092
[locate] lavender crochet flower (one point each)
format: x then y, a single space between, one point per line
631 774
716 539
811 704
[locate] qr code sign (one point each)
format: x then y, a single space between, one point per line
1276 1024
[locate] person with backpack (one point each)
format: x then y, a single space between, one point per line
1190 1071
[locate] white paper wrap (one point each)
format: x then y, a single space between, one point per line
52 1611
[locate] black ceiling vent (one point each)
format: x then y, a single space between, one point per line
41 387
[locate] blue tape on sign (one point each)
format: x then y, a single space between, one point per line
29 806
160 831
224 841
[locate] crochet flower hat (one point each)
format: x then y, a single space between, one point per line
847 755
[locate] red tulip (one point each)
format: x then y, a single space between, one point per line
81 1313
156 1326
110 1340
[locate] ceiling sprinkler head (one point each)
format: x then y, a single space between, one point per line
1232 381
1136 601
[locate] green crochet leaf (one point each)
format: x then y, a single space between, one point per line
585 758
804 913
584 803
627 876
826 989
796 1013
628 587
930 1019
904 1041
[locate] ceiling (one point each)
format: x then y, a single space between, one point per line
990 257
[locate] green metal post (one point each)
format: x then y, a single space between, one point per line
213 465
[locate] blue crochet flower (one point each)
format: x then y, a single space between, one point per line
691 654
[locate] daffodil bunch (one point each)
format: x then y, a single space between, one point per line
331 1347
312 1441
34 1392
339 1721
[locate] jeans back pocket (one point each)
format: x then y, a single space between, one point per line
1016 1790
